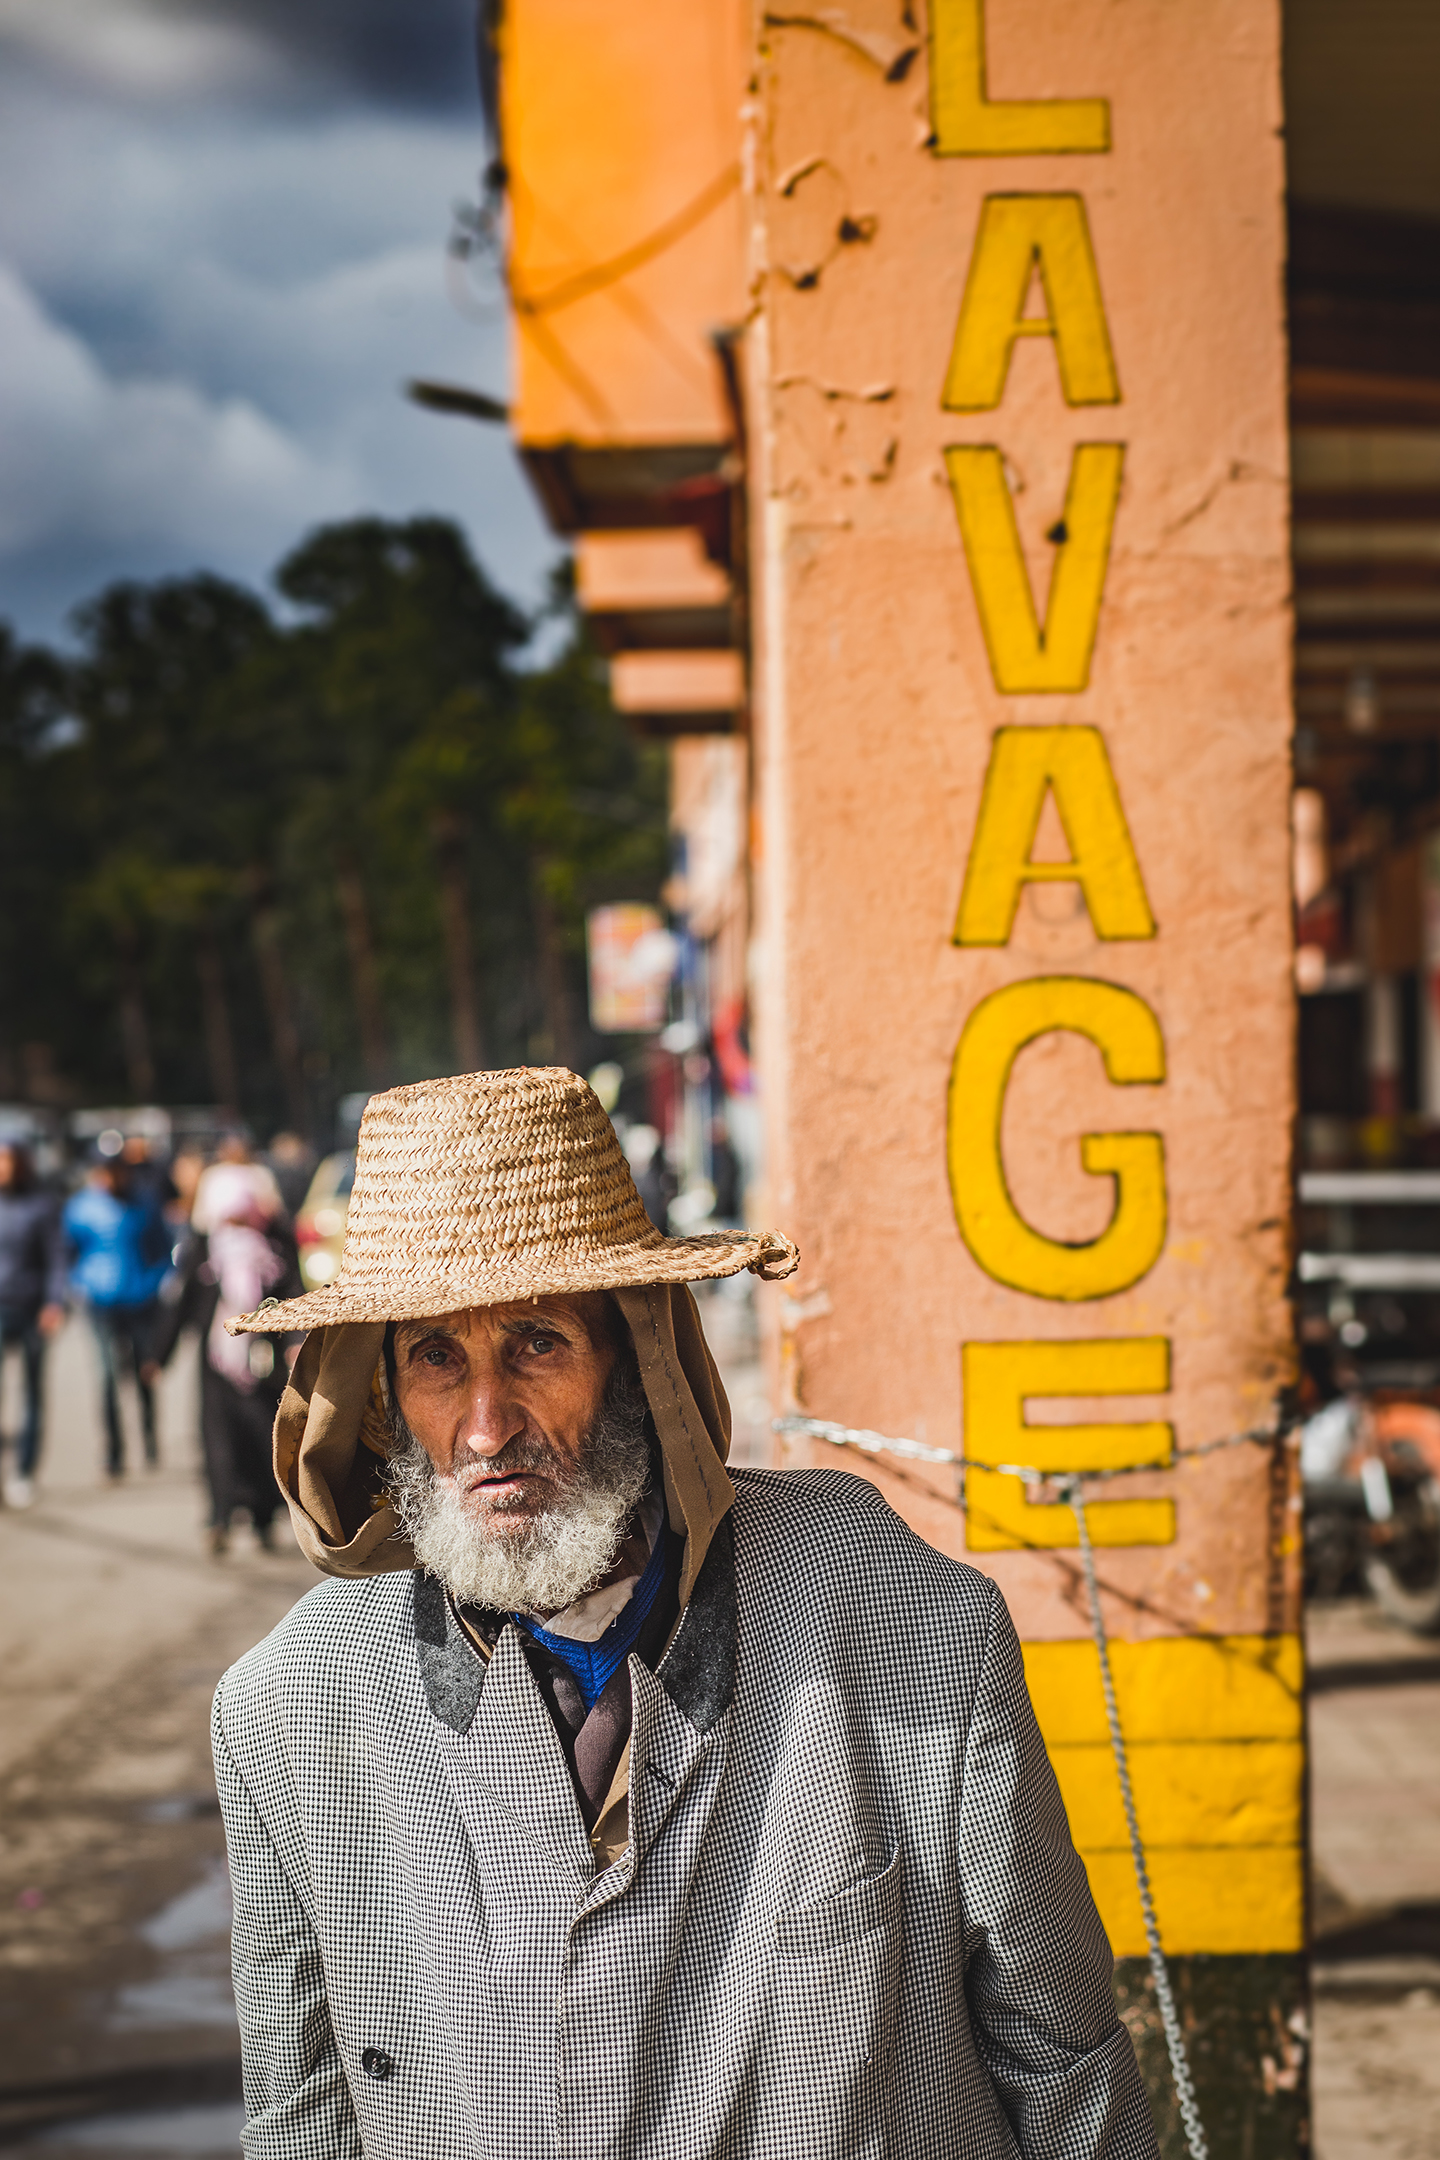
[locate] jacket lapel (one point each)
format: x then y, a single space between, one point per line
503 1753
452 1670
509 1765
697 1672
679 1728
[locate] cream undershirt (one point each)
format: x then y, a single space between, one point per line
587 1619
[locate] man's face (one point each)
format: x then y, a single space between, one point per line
522 1448
502 1398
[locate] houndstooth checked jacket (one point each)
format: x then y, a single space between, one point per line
849 1922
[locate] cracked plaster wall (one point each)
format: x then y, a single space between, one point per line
876 708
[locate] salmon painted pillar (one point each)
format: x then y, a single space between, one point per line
1021 683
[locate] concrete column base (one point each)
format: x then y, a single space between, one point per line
1246 2024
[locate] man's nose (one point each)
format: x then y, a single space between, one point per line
495 1415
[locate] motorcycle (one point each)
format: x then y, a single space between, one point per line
1370 1474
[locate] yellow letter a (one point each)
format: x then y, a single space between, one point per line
1024 763
1023 657
1019 233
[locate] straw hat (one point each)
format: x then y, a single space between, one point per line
494 1186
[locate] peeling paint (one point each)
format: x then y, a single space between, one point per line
893 56
787 182
827 230
867 394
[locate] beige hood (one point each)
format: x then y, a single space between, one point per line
332 1435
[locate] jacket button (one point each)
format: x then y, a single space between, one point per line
377 2064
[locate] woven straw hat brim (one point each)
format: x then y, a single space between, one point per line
491 1187
417 1293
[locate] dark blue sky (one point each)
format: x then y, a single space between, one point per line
222 251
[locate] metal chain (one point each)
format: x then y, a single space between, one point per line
874 1443
1159 1970
1069 1489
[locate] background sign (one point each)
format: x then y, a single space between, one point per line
632 958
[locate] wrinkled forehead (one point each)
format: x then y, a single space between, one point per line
592 1316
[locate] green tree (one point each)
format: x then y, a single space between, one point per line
264 860
160 788
400 680
35 1015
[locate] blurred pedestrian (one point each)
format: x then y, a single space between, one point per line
293 1162
234 1153
32 1298
186 1170
653 1177
150 1178
240 1249
119 1255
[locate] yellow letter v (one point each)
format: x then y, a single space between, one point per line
1023 656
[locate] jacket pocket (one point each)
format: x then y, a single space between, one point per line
805 1931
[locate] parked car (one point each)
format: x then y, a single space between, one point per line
320 1224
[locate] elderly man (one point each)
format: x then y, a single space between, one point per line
610 1805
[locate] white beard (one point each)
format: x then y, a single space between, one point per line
560 1553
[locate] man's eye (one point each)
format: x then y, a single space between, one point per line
542 1345
435 1355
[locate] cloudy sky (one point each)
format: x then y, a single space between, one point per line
222 252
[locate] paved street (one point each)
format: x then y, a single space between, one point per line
113 1900
1375 1771
113 1913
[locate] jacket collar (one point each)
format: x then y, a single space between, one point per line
697 1672
452 1670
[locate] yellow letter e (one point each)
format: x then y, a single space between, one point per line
998 1379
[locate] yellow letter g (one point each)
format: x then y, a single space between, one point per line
1127 1034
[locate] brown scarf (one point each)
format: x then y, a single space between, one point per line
332 1435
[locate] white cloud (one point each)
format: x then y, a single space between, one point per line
138 49
207 321
97 204
417 54
140 462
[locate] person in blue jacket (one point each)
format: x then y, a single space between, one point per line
119 1256
32 1296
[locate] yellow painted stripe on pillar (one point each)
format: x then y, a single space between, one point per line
1186 1793
1246 1903
1189 1687
1214 1728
